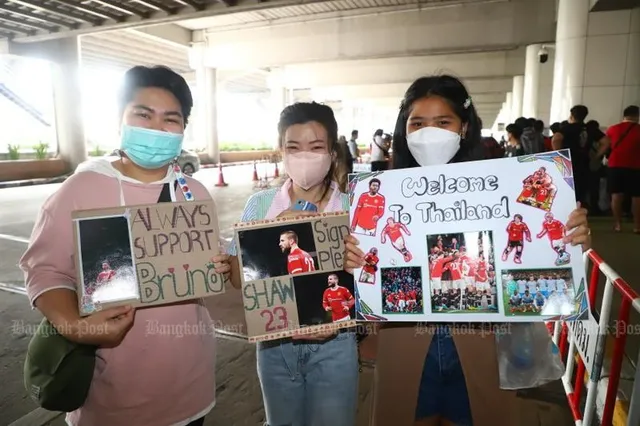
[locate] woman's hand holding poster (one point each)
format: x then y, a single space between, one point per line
479 241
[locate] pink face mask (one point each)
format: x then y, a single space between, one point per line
307 169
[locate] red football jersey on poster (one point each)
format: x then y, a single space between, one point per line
555 229
337 299
454 267
300 261
481 271
368 207
413 295
394 231
371 260
438 267
105 276
517 231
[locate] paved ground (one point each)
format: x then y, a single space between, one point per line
239 399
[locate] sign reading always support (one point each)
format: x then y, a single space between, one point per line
479 241
146 255
293 281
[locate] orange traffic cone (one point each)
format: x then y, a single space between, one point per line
221 181
277 172
255 172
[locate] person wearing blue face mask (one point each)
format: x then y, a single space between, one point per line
142 376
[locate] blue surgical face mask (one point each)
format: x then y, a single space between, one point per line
150 149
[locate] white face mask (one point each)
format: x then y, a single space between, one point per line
432 146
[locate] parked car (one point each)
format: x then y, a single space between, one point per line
189 161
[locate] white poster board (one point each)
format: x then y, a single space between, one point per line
476 241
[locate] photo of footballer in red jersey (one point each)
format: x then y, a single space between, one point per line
517 231
368 210
538 190
106 258
402 290
325 298
394 231
277 251
337 299
555 231
462 272
368 274
298 260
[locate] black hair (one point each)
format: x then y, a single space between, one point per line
515 130
592 125
517 216
555 127
161 77
354 133
305 112
522 122
579 113
564 123
539 126
632 111
378 132
374 180
455 94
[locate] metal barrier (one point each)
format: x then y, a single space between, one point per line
589 338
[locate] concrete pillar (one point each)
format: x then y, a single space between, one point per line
571 49
208 113
597 61
518 90
531 81
67 101
206 101
279 99
509 108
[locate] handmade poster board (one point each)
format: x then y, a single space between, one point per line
146 255
478 241
293 282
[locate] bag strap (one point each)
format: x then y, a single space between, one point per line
383 149
624 135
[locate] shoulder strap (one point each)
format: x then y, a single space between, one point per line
624 135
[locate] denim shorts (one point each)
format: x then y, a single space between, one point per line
443 390
308 383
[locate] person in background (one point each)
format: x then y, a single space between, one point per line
513 148
575 137
531 141
546 140
438 124
624 166
555 128
348 159
140 378
596 167
379 152
353 146
308 379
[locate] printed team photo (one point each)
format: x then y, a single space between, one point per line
325 298
402 290
462 273
107 269
538 292
538 190
278 251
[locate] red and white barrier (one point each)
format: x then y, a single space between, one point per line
589 339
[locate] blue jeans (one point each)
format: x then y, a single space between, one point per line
443 390
307 383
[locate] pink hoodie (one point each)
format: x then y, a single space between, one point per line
163 371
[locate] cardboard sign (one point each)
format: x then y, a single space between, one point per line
293 281
477 241
146 255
